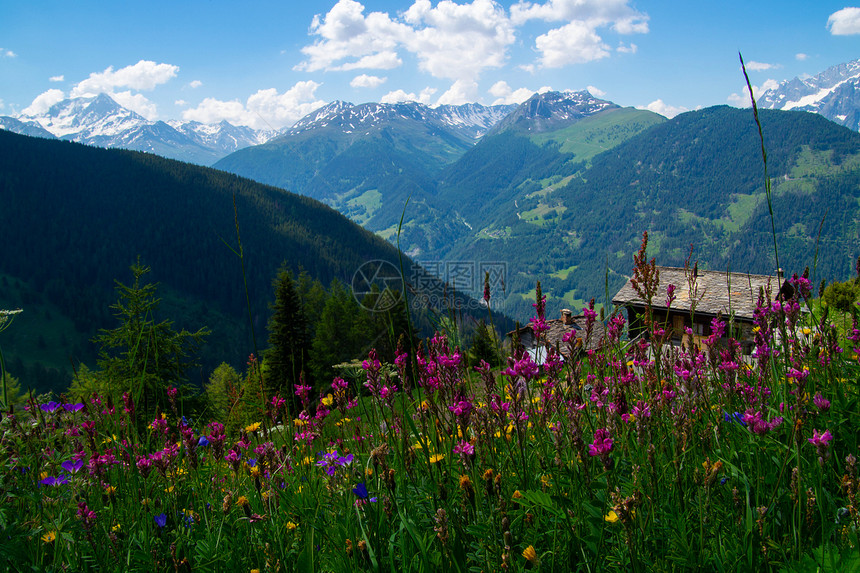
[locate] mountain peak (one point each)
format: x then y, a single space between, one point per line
549 111
834 93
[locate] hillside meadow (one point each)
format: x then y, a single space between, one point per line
636 456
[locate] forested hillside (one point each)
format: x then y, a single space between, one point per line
695 180
75 218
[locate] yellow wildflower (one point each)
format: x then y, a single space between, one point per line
242 501
436 458
531 555
368 472
517 494
611 517
290 526
545 480
49 537
328 400
465 482
116 528
253 427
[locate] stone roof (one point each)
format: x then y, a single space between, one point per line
715 292
557 330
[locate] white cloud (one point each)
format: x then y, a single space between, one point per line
180 103
366 81
398 96
597 92
460 92
263 109
144 75
800 57
44 101
380 61
450 40
459 41
743 99
618 13
664 109
575 43
136 103
4 53
346 33
844 22
59 78
195 84
630 48
759 66
505 95
578 41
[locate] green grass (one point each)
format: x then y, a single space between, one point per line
360 209
600 132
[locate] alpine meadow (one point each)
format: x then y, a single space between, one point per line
551 333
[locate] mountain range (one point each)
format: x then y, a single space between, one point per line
834 93
102 122
559 188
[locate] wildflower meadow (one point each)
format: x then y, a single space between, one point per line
637 455
631 455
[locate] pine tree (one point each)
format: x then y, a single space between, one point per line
287 354
342 334
142 356
485 345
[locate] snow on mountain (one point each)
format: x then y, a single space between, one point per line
473 117
470 121
224 137
30 128
549 111
101 121
834 93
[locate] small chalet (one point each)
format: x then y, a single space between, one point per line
713 292
557 329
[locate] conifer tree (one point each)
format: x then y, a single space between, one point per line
342 334
485 345
287 354
143 356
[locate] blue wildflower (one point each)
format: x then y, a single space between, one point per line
160 519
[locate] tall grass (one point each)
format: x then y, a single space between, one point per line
604 461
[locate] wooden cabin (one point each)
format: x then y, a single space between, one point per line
699 297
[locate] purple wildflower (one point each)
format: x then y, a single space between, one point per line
602 443
52 481
72 466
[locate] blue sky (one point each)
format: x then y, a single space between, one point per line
267 63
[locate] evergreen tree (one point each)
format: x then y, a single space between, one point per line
142 356
223 393
485 346
342 334
287 354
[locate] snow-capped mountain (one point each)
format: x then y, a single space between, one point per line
834 93
223 136
101 121
468 121
30 128
549 111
